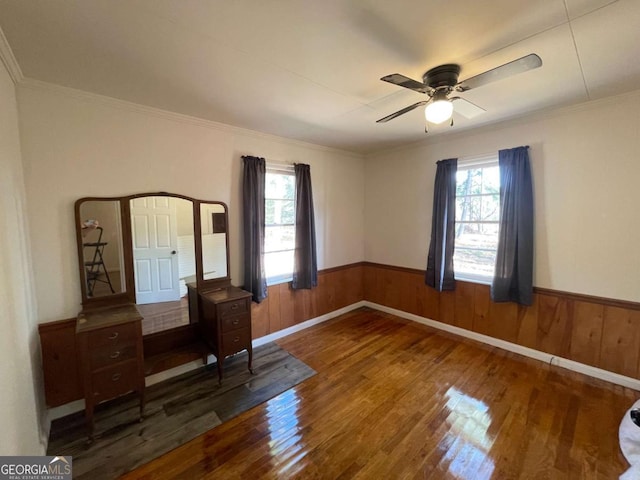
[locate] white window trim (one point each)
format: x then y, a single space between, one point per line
485 160
468 163
281 169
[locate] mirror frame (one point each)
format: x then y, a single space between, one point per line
128 292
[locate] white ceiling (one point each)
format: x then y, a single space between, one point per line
309 70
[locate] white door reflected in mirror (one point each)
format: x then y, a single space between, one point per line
154 229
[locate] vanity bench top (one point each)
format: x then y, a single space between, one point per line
106 317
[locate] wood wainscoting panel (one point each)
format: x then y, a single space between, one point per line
463 297
429 299
302 309
273 304
555 315
481 305
260 319
505 321
596 331
325 295
285 307
620 341
288 298
586 336
528 324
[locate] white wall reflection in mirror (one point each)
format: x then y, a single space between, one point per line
214 240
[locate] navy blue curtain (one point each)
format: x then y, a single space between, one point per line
305 263
253 184
439 273
513 278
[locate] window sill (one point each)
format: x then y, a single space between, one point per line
479 280
278 280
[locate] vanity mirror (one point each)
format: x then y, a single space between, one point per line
146 248
102 259
213 218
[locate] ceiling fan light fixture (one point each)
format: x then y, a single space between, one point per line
438 111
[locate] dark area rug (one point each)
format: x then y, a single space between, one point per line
176 411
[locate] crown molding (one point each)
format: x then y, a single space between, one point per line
538 115
126 105
9 61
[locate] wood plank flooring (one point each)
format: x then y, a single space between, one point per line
177 410
395 399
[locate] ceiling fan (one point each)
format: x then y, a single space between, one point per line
441 81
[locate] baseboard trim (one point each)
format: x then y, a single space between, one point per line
309 323
78 405
512 347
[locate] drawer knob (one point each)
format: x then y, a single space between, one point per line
234 306
113 336
115 354
236 340
116 376
235 322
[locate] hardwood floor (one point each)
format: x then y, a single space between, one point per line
395 399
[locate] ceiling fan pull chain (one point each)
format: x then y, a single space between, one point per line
426 127
451 125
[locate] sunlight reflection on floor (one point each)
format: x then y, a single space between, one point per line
286 446
467 442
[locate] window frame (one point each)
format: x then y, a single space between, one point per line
470 163
279 169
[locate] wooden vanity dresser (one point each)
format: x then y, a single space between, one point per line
153 245
110 356
224 317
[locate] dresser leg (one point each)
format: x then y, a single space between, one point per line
141 405
88 411
250 352
220 363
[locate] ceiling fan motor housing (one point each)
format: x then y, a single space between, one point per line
442 76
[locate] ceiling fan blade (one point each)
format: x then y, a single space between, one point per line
465 108
407 82
402 112
528 62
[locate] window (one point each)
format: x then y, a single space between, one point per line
477 216
280 217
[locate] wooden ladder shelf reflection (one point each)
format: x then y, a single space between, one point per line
95 268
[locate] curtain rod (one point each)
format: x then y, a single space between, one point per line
279 163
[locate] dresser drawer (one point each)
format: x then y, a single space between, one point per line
118 335
231 308
234 323
114 381
236 341
111 354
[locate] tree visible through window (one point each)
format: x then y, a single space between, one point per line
477 216
280 217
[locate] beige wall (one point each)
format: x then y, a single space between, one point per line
21 398
586 169
77 145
